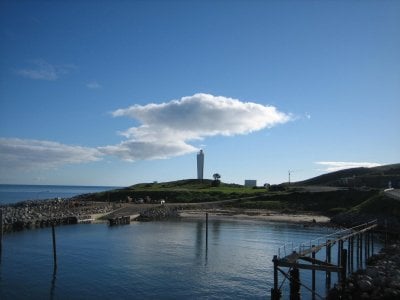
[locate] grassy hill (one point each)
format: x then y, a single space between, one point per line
181 191
377 177
349 203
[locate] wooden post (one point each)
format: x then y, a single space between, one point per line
328 260
361 250
352 254
372 243
343 266
339 258
294 284
358 252
1 232
275 293
207 230
348 254
54 246
313 274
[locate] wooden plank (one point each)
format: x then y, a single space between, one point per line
331 268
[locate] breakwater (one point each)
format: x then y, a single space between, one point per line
43 213
161 212
380 279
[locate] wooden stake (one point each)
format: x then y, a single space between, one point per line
1 232
294 284
344 266
328 260
207 230
54 246
275 293
313 275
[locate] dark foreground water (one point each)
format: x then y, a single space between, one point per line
12 193
153 260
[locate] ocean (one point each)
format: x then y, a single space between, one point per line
151 260
12 193
147 260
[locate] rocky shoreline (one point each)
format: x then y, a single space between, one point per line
43 213
380 279
161 212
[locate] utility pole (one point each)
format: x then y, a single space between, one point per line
289 176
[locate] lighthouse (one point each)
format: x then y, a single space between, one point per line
200 165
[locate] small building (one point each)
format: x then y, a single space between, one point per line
250 183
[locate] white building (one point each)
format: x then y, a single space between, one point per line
250 183
200 165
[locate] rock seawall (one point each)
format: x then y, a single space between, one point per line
161 212
380 279
35 214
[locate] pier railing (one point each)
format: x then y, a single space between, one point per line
360 245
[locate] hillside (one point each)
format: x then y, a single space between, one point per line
180 191
377 177
350 204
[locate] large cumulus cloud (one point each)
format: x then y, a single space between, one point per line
167 128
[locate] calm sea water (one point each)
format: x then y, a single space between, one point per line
150 260
12 193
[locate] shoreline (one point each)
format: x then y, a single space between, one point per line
36 214
259 214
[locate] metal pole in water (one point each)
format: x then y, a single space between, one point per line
206 230
313 274
366 247
275 293
54 246
339 258
328 260
372 243
348 255
1 232
343 266
361 250
294 284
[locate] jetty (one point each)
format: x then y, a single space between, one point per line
353 245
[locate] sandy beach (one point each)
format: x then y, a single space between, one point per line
256 214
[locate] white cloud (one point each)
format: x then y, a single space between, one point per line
137 150
166 131
29 154
42 70
332 166
176 122
93 85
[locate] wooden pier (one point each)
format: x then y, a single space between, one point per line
360 245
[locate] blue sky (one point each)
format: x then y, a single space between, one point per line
121 92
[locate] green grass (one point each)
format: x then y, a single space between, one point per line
379 204
328 203
181 191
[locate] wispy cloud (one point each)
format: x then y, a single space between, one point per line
42 70
168 127
332 166
30 154
93 85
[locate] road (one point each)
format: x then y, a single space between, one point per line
393 193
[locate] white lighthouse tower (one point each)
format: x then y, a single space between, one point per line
200 165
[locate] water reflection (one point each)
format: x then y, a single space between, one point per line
216 228
199 238
53 284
